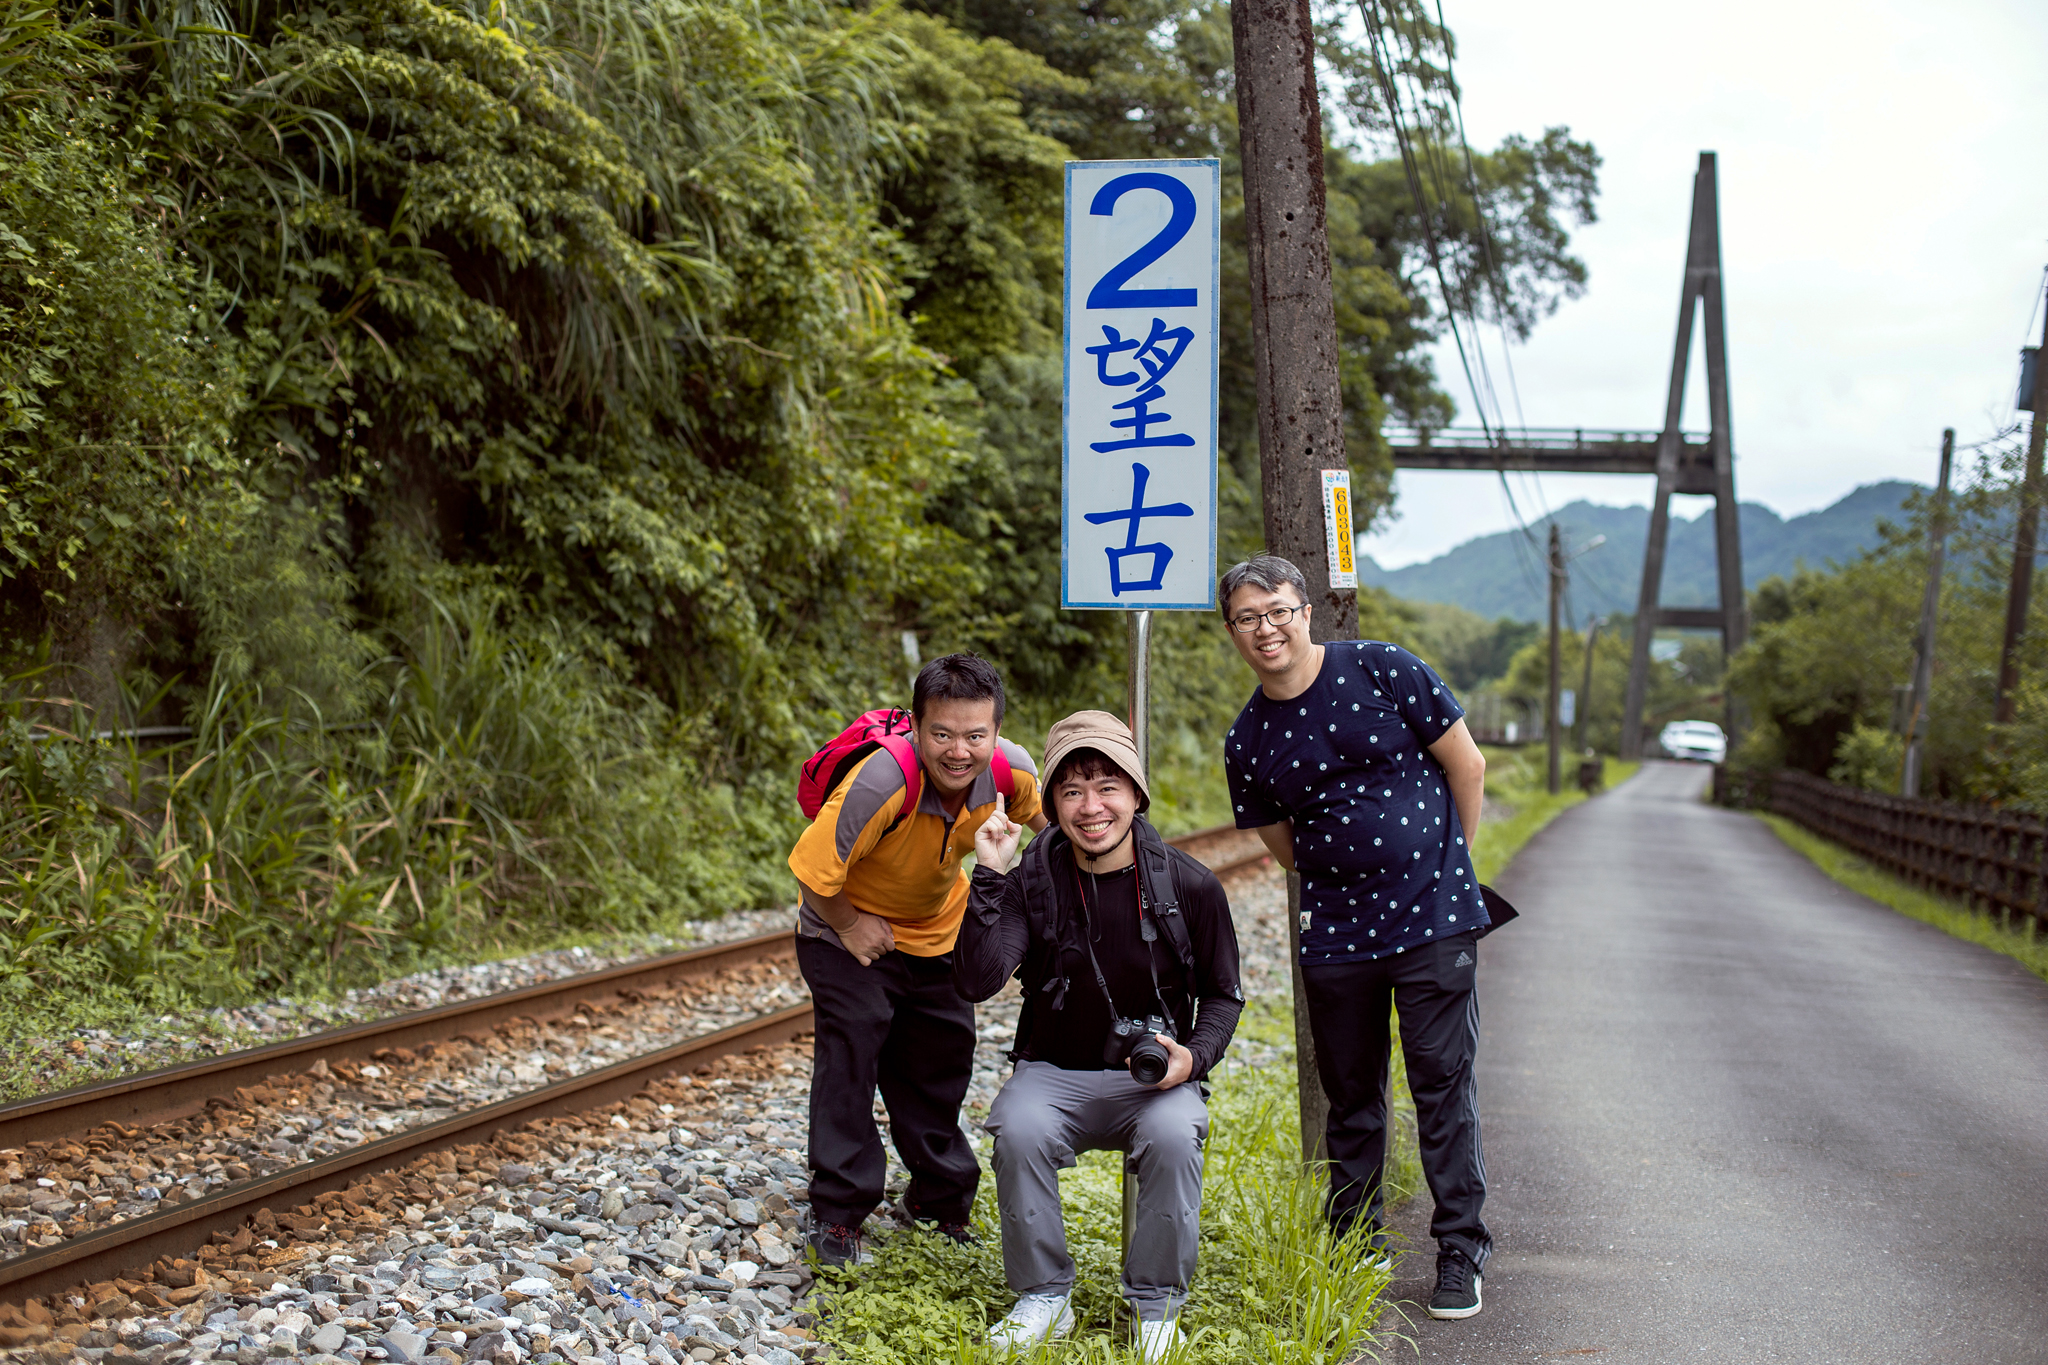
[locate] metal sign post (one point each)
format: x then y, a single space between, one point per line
1138 458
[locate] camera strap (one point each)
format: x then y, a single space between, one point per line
1146 931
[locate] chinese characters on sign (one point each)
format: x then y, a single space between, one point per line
1139 489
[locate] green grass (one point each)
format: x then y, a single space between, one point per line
2026 945
502 795
1272 1284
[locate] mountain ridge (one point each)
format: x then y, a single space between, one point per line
1502 574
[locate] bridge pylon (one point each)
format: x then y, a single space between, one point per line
1715 475
1695 465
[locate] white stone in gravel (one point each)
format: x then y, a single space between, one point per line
329 1339
532 1286
742 1272
509 1222
403 1345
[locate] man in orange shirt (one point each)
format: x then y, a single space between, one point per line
883 895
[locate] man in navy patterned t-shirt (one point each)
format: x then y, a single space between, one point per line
1353 762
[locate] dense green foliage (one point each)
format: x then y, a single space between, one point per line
508 436
1510 660
1685 686
1829 648
1466 648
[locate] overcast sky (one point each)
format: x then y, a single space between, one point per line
1884 225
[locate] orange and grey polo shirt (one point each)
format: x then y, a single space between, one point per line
909 875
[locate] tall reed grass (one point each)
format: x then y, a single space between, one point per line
501 789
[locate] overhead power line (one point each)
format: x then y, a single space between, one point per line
1428 152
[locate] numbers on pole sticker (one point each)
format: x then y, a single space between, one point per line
1109 291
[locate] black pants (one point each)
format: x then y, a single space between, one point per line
1348 1015
901 1026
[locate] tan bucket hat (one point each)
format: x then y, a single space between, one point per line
1102 732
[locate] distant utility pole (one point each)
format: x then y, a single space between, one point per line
1550 726
1918 719
2023 541
1294 357
1585 708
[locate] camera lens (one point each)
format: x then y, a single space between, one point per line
1149 1062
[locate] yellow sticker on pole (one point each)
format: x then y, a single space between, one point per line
1337 522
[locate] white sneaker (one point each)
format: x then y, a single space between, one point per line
1036 1318
1155 1339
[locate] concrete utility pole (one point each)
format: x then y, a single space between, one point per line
1930 609
1550 726
1585 708
1294 356
2023 542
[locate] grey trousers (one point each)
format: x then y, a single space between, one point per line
1042 1118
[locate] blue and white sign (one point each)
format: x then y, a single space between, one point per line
1138 488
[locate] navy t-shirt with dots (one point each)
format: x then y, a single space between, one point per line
1383 860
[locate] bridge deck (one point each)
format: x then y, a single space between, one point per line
1552 451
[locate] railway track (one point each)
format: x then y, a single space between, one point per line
157 1097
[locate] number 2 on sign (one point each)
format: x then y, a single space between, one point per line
1109 291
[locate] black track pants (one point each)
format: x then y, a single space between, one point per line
901 1027
1433 986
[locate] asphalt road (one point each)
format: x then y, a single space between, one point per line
1734 1113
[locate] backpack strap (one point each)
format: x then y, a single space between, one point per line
1006 777
1163 892
904 752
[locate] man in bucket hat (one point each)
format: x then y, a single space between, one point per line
1131 993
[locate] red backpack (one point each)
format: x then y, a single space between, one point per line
887 729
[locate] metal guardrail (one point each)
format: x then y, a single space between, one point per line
1984 857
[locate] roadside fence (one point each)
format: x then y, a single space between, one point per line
1988 858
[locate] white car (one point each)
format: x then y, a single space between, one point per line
1700 739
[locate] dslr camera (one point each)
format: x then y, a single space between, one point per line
1134 1040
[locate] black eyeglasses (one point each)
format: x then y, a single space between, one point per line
1249 622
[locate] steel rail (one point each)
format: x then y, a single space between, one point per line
133 1245
1221 870
150 1097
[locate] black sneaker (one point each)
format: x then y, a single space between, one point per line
958 1233
1457 1287
835 1247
